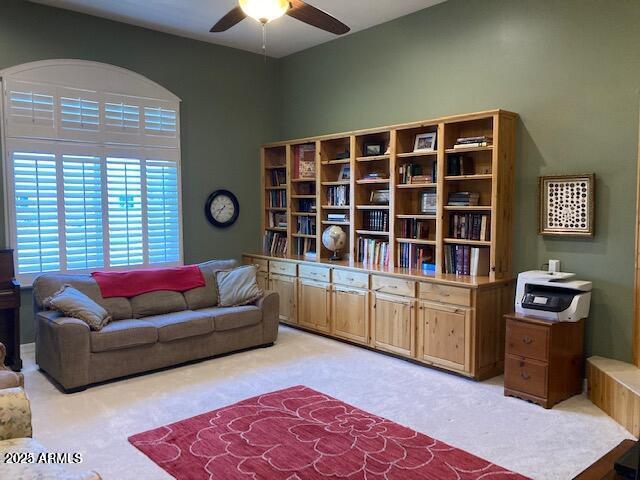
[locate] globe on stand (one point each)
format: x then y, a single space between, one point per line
334 239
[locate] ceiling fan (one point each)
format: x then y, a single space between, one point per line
265 11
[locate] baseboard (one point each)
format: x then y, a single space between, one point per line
614 387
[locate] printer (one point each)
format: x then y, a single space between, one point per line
553 295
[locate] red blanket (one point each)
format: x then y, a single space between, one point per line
136 282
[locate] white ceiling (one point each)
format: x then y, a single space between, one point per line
194 18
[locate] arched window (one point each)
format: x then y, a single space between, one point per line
91 158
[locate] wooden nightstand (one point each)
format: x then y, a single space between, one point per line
543 359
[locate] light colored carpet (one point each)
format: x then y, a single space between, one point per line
542 444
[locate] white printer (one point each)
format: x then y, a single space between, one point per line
553 295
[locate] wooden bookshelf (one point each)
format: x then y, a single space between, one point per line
488 171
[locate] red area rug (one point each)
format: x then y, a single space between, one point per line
301 434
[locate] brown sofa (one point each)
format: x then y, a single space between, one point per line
149 331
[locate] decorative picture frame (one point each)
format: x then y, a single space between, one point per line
373 149
379 197
345 173
426 142
567 205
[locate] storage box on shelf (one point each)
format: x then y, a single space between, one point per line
454 325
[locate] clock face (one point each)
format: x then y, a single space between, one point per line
222 208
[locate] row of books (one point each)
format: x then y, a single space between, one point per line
460 165
278 198
338 217
466 260
413 228
278 177
274 243
338 196
464 199
470 226
476 141
304 246
307 225
416 256
277 220
376 220
306 205
412 173
372 252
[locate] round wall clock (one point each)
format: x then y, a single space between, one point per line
222 208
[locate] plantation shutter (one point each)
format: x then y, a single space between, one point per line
92 169
124 191
83 212
163 222
36 211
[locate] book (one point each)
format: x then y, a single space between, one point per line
469 226
460 165
338 196
464 198
470 145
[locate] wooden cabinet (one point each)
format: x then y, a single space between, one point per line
444 336
286 289
314 305
544 359
350 313
263 280
394 323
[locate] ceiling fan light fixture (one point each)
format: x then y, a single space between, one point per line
264 11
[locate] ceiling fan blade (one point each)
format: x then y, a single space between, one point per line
229 20
316 17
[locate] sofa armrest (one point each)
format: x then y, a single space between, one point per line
15 414
63 348
270 306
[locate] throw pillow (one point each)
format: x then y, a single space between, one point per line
74 303
238 286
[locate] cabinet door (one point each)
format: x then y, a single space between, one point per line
313 301
350 314
394 324
444 335
286 289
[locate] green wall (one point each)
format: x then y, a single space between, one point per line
570 68
227 112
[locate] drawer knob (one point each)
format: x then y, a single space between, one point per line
527 340
525 376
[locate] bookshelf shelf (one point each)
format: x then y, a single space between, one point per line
460 241
417 216
471 208
344 174
484 176
470 149
337 182
372 232
373 158
417 154
417 241
372 181
416 185
372 207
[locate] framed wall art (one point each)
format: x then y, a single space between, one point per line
567 205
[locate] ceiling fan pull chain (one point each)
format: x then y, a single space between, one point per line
264 41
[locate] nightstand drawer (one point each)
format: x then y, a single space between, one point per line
351 279
527 340
312 272
525 376
444 294
282 268
394 286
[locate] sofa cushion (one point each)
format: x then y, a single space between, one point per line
124 334
73 303
207 296
48 284
238 286
157 303
174 326
233 317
